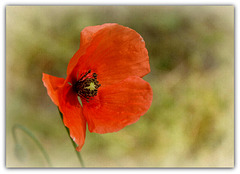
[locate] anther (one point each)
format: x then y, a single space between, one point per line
94 75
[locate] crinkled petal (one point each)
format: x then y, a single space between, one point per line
72 115
52 84
118 105
112 51
86 37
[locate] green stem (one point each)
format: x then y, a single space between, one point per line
74 144
30 134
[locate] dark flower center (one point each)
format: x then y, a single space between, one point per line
87 86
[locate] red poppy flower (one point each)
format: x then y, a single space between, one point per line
103 86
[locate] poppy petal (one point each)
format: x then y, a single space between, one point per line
72 115
115 53
87 35
118 105
52 84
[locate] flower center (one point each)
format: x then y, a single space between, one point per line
87 86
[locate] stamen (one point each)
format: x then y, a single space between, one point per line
94 75
89 71
87 86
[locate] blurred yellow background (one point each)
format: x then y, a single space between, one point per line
191 120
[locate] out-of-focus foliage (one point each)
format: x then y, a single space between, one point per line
191 120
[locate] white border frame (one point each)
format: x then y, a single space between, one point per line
3 4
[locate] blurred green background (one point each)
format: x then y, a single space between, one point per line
191 120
